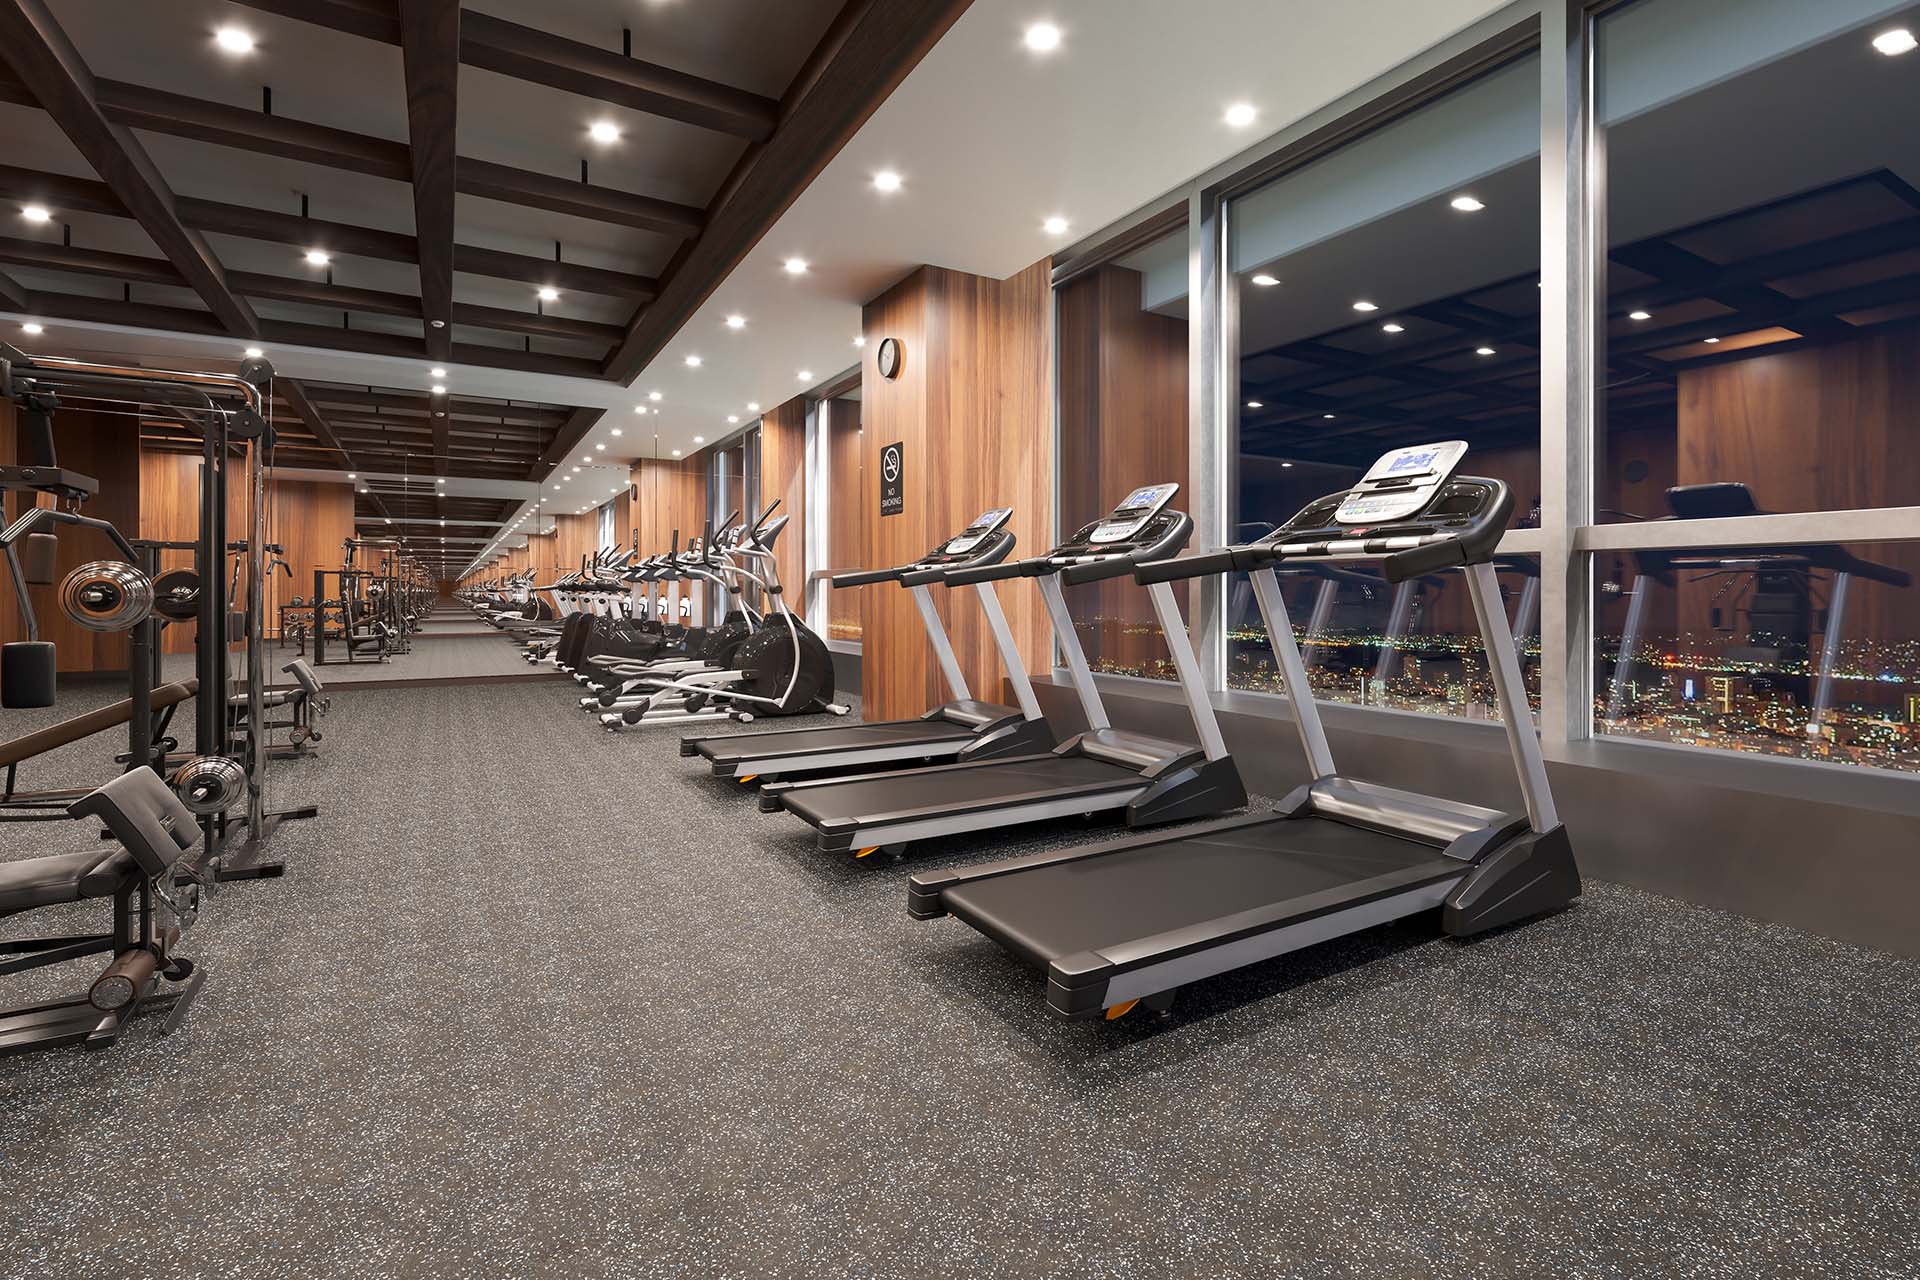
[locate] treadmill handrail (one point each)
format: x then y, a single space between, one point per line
862 577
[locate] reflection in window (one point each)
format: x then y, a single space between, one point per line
1409 646
1802 651
1388 295
846 469
1763 222
1122 361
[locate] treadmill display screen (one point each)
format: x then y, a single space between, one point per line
983 524
1133 512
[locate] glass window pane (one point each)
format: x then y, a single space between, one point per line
1122 367
1411 646
1388 295
1811 652
1763 227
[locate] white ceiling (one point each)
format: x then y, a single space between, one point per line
989 138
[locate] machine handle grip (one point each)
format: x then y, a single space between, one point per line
861 577
996 572
1097 570
1179 569
920 577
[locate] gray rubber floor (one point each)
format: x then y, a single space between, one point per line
538 1001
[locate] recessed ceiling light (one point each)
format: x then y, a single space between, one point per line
254 353
600 448
352 476
1055 226
1896 42
886 181
805 375
753 406
576 471
676 453
693 362
1483 351
1467 204
604 131
699 439
615 431
548 293
1264 280
436 372
859 339
1390 327
732 418
1639 315
794 266
439 389
654 396
1286 464
1711 341
1365 306
1240 115
32 327
556 488
233 40
1255 404
736 322
318 257
1327 416
37 213
1041 37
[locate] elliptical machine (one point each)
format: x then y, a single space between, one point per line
781 668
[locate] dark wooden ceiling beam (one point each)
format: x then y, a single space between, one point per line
605 76
83 309
430 50
489 181
13 293
571 433
385 397
51 255
867 53
537 56
34 45
84 195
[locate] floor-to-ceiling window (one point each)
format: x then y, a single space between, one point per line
1388 294
1121 365
1762 299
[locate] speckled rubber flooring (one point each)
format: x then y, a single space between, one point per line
538 1001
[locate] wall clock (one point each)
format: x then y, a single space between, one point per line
888 359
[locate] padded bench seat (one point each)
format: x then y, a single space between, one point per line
64 877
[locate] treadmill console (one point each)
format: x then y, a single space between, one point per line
984 524
1132 515
1140 528
1400 483
1459 520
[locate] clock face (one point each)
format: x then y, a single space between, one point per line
889 358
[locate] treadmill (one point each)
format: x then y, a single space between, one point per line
961 728
1104 770
1130 921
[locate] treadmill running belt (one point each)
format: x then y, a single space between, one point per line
896 798
840 737
1090 903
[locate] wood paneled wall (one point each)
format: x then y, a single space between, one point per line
971 406
106 447
783 475
1123 423
310 519
670 496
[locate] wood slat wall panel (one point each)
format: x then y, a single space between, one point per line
971 406
783 475
106 447
1123 423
